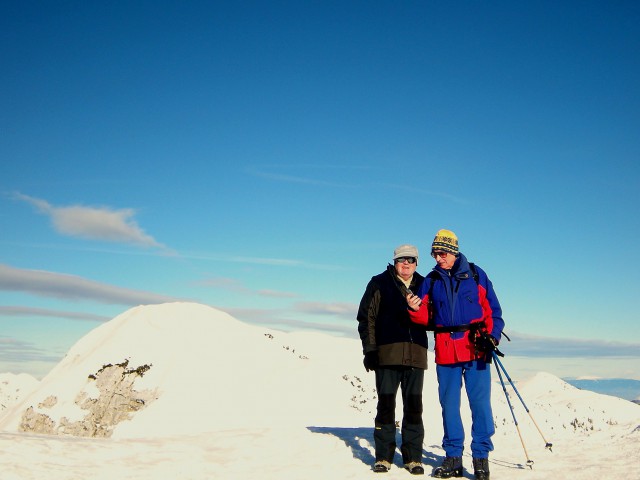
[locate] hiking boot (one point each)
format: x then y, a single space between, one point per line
451 467
481 468
381 466
415 468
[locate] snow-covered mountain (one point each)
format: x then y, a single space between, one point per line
186 391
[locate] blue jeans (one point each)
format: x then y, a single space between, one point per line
477 382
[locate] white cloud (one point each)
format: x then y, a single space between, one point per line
223 283
71 287
554 347
320 308
276 293
285 177
19 311
275 262
95 223
283 262
12 350
360 182
281 319
234 285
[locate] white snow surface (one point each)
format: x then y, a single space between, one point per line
15 387
241 401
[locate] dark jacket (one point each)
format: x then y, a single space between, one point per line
384 324
456 299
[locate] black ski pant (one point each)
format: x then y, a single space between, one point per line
410 380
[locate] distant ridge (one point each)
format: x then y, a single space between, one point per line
625 388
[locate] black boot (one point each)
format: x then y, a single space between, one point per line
451 467
481 468
381 466
414 468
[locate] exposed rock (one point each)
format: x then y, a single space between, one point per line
116 402
37 422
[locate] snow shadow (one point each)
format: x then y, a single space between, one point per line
360 441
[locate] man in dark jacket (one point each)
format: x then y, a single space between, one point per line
396 349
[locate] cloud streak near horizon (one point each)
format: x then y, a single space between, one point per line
19 311
16 351
71 287
339 309
535 346
234 285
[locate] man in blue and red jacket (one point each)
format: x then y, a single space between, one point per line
458 302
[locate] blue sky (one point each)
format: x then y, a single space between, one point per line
266 157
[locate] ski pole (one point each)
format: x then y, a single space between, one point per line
515 421
499 364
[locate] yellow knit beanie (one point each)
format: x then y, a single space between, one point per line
445 241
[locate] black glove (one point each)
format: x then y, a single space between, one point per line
371 361
487 344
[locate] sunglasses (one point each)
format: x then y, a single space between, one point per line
406 259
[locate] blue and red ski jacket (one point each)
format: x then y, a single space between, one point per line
453 299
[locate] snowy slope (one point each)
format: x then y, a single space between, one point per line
15 387
207 369
222 399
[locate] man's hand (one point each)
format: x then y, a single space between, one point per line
485 342
413 301
371 361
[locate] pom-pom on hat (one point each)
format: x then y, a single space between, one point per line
405 251
445 241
